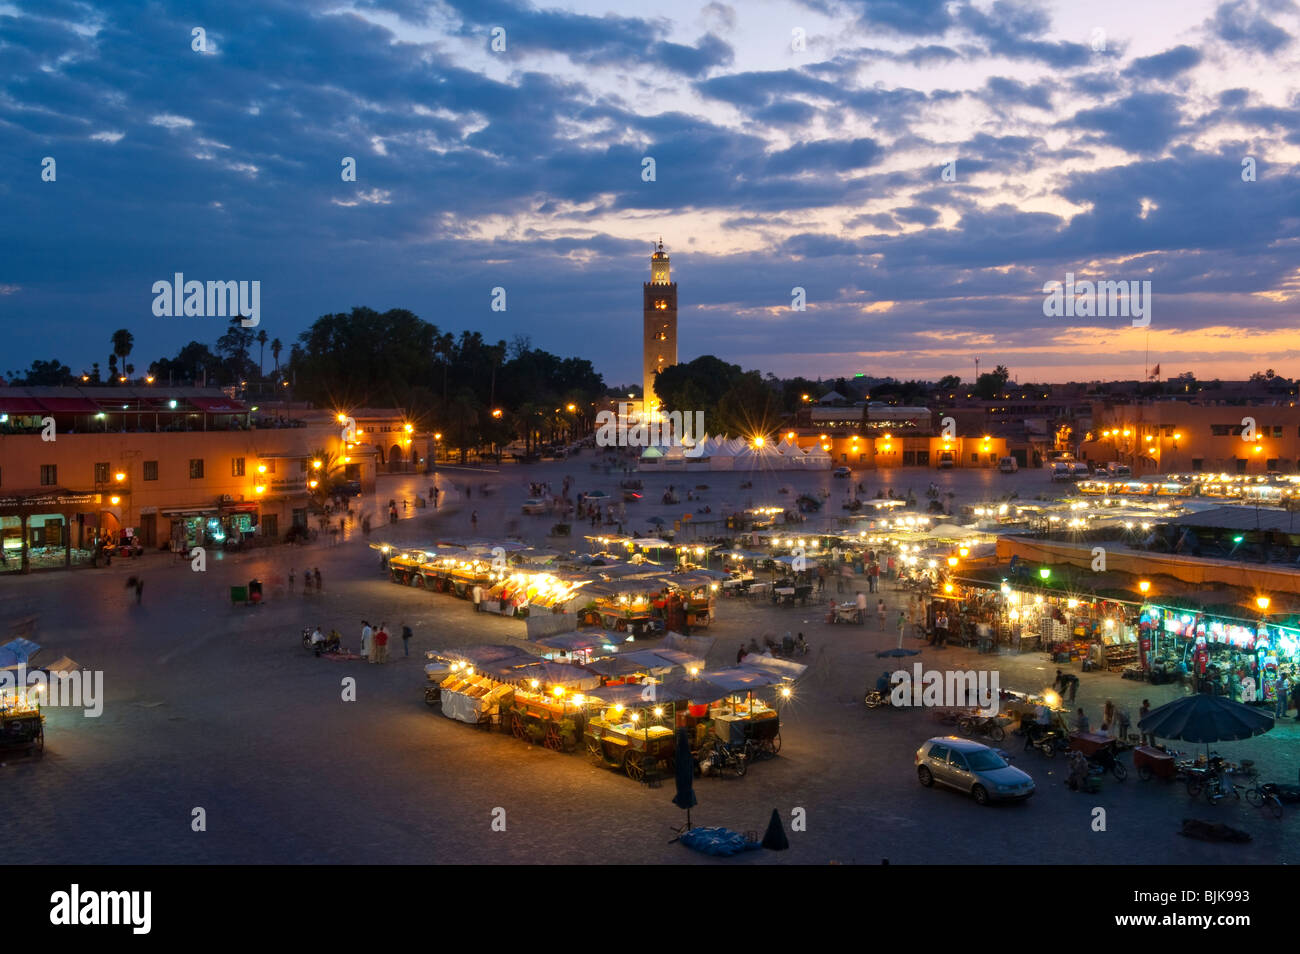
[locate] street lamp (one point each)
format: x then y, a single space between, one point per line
1144 586
1262 602
1044 573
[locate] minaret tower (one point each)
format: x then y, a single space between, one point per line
660 326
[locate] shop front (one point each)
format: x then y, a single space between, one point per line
48 530
1236 658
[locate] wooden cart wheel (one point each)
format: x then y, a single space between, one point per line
420 581
553 740
634 767
517 727
594 751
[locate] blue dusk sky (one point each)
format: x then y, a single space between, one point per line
795 143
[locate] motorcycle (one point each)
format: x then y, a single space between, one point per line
330 644
722 757
1048 743
875 698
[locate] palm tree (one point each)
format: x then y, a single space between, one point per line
324 481
276 347
261 353
123 341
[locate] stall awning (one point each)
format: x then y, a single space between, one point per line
213 405
20 405
191 512
70 405
635 696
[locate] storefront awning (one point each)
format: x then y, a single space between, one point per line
191 512
70 405
20 405
217 405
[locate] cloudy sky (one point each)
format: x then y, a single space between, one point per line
1105 139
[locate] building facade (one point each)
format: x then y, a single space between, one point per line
83 468
659 326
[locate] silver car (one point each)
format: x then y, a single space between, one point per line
971 767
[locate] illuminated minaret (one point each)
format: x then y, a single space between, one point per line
660 325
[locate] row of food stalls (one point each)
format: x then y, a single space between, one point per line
637 598
722 453
582 691
1272 489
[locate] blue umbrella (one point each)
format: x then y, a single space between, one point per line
898 652
658 521
1202 718
684 763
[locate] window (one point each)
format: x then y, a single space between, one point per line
1277 430
196 468
938 752
151 470
974 458
957 760
236 467
1198 464
101 473
49 475
1271 463
1225 430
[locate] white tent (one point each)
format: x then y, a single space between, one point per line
817 459
792 453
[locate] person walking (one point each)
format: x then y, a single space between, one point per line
1121 713
406 639
473 520
291 571
880 612
366 635
1280 688
318 585
476 594
306 582
941 629
381 644
902 627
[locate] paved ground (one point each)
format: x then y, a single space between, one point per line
218 707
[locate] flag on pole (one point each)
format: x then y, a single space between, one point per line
1155 372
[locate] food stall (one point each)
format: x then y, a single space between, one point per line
698 592
630 728
729 704
522 592
548 706
469 692
627 606
21 723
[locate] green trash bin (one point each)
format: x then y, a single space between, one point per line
239 594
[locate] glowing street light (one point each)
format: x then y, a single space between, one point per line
1144 586
1044 573
1262 602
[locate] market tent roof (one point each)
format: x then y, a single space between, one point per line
950 530
652 543
617 588
652 453
661 661
635 695
615 666
695 578
695 645
743 678
62 664
783 669
584 641
1239 518
484 655
816 453
17 652
557 674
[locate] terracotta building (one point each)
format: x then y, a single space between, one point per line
659 326
80 467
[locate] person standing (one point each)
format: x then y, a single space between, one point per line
1081 721
862 608
406 639
476 594
291 571
1280 688
941 629
902 626
1147 737
880 612
473 520
318 586
366 634
381 644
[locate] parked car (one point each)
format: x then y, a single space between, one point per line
972 768
946 460
842 472
1116 469
1079 471
1008 465
1062 470
535 505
